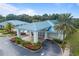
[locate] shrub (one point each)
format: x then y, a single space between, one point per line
24 43
58 41
27 44
18 40
31 46
38 44
35 46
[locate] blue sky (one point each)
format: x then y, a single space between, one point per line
39 8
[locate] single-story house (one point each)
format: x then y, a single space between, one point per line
36 29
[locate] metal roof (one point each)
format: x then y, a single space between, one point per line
36 26
14 22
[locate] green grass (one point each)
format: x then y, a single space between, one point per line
5 32
1 30
73 40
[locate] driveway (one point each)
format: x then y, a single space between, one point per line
7 48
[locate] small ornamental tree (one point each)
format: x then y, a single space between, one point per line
8 27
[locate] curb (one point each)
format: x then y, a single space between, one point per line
27 48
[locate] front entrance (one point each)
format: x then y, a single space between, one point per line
41 36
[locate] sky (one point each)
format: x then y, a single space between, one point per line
39 8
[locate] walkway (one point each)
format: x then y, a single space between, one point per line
9 49
66 52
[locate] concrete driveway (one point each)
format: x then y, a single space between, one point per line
7 48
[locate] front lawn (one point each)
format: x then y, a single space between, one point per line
73 41
2 30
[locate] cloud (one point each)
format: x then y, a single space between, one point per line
26 11
6 9
9 9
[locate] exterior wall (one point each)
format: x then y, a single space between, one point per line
55 35
52 35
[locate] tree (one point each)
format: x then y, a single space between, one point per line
45 17
65 25
24 17
36 18
8 27
2 18
11 17
76 22
53 16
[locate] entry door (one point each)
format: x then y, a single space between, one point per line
41 35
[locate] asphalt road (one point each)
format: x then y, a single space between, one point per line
8 48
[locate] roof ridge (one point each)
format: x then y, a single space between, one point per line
49 22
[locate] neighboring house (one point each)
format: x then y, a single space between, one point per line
44 29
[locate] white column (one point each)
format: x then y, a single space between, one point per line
45 37
35 35
18 33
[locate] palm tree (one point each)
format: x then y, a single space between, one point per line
65 25
8 27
